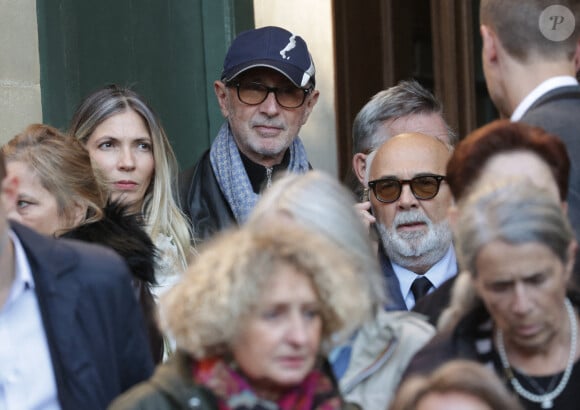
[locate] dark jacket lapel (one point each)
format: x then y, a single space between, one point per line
395 299
58 294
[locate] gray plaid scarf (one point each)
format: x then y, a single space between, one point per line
231 175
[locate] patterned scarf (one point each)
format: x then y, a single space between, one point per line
233 392
231 175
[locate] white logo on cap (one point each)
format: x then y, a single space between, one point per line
291 44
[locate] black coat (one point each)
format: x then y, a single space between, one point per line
124 233
202 200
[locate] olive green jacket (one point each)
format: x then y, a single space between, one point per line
170 388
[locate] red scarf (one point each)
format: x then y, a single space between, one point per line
316 392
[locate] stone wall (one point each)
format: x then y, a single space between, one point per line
20 102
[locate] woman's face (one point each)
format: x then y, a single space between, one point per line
35 207
523 287
122 149
278 343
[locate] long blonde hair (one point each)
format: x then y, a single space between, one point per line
161 211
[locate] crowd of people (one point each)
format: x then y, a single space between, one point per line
442 275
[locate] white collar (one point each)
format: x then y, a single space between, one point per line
22 272
545 87
444 269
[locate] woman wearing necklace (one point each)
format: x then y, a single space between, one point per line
513 306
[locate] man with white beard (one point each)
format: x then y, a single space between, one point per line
409 200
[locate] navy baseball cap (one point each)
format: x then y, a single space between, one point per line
271 47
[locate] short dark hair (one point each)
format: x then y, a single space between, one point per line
501 136
516 24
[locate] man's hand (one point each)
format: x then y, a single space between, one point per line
363 209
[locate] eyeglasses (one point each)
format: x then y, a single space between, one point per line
389 189
255 93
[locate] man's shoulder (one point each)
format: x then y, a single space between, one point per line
202 199
556 111
203 165
87 261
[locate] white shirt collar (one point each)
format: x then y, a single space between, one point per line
545 87
23 273
444 269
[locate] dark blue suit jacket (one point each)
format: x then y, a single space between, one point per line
92 321
430 305
395 299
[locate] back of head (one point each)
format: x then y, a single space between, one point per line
502 136
319 202
406 98
513 211
62 166
468 378
205 310
521 26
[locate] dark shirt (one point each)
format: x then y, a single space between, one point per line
567 400
258 174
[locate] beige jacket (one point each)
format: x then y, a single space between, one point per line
380 354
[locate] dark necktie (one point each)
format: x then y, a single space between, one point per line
420 287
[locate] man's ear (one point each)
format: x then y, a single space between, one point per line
489 44
221 92
309 104
359 165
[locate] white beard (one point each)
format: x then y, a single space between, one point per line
415 249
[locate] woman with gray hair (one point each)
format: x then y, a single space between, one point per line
251 319
516 245
370 364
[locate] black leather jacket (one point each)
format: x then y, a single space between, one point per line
203 201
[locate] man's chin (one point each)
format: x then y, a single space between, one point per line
411 238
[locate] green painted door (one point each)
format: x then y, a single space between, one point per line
170 51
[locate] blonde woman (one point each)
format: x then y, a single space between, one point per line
127 143
252 318
369 365
59 194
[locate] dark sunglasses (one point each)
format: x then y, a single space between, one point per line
389 189
252 93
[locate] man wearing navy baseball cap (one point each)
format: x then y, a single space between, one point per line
266 93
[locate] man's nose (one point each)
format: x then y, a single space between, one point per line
407 199
270 105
